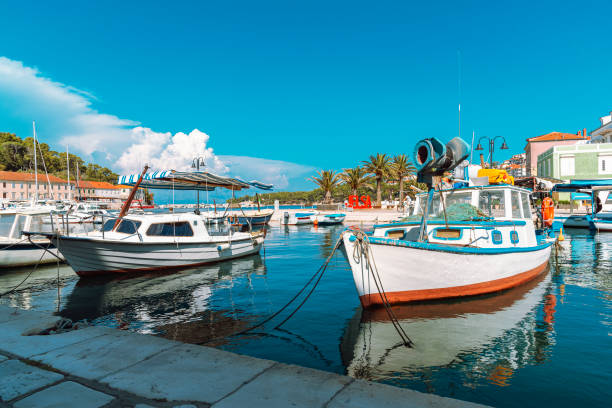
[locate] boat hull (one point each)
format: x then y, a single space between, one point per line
411 271
255 219
332 219
26 254
91 257
603 224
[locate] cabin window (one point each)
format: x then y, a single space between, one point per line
171 229
128 226
458 197
108 225
492 203
496 236
526 206
6 222
514 238
516 204
19 226
447 233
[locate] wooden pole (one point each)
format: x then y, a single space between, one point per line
128 202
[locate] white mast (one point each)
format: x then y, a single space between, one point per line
35 164
68 171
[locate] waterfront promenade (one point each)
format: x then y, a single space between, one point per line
105 367
369 216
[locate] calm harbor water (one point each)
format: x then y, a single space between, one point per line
544 343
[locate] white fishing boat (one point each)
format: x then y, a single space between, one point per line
299 218
15 247
330 219
139 243
460 242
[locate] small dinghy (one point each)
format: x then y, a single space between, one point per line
330 219
299 218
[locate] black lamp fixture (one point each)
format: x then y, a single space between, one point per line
195 164
492 140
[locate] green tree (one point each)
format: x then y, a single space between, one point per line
379 166
400 168
327 180
355 178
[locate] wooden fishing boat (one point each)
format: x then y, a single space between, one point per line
250 217
460 242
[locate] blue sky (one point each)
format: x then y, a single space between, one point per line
305 86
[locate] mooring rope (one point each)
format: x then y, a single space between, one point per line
318 274
29 274
362 250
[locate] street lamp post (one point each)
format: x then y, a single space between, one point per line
197 162
492 140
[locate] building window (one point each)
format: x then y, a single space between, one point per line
605 164
566 166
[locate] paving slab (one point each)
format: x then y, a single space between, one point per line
287 385
8 313
13 341
188 373
17 378
103 355
66 395
364 394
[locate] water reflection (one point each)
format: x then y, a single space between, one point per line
485 338
176 305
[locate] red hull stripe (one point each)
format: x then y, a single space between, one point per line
455 291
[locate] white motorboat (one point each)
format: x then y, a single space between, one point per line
330 219
142 243
15 247
146 242
299 218
463 241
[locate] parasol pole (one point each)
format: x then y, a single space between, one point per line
128 202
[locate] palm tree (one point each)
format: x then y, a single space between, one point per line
400 168
355 178
379 167
327 180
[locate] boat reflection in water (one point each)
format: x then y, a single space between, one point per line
177 305
484 338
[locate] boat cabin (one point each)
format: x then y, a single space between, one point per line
490 216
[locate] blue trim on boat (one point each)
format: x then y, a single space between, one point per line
472 223
454 249
298 215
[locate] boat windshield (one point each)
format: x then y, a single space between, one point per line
126 226
6 222
457 203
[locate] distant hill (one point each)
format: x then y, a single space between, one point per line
17 154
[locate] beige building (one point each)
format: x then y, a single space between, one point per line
22 186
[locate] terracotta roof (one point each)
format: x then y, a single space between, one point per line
97 184
552 136
16 176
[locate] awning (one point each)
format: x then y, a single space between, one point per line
584 186
189 180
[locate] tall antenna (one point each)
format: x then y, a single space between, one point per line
459 88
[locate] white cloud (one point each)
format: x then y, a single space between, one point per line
284 175
164 151
65 114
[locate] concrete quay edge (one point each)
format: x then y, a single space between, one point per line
104 367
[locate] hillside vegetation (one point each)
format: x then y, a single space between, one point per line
17 154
